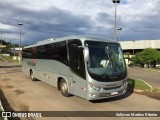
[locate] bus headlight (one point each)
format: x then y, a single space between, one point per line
125 83
94 87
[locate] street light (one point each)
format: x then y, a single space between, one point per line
1 38
119 31
133 47
1 44
115 2
10 46
20 24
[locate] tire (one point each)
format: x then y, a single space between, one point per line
64 88
32 76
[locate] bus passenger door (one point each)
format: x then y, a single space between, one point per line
78 72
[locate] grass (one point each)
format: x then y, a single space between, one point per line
141 86
9 58
138 85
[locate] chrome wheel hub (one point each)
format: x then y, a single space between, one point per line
64 87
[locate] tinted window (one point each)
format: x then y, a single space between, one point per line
60 52
25 53
34 52
76 58
73 44
29 53
40 52
55 51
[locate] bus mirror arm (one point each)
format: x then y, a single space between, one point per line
86 54
81 47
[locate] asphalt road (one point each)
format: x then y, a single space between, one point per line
151 77
22 94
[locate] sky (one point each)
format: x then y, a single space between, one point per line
43 19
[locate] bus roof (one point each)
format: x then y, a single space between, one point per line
80 37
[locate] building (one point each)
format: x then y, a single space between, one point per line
137 46
2 46
15 51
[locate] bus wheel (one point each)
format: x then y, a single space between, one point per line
31 75
64 88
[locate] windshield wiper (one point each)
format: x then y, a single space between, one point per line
110 60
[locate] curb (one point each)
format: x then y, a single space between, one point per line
1 107
151 70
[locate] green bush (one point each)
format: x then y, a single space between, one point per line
131 65
148 56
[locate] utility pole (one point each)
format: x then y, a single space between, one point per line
1 45
20 24
115 17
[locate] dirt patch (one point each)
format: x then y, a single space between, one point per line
14 71
154 95
8 86
5 79
151 95
6 105
24 107
18 92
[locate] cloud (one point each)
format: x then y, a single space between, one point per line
43 19
141 21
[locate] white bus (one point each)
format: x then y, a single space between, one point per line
85 66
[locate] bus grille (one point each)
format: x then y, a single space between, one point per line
112 88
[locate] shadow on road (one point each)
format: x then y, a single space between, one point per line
6 105
11 66
129 92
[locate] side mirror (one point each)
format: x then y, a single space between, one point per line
86 54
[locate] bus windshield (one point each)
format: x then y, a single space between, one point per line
106 61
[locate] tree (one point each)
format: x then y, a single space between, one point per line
127 54
138 59
151 56
148 56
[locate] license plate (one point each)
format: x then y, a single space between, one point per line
114 93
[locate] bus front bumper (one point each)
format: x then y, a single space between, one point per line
106 93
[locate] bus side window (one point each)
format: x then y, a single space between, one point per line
77 61
76 58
